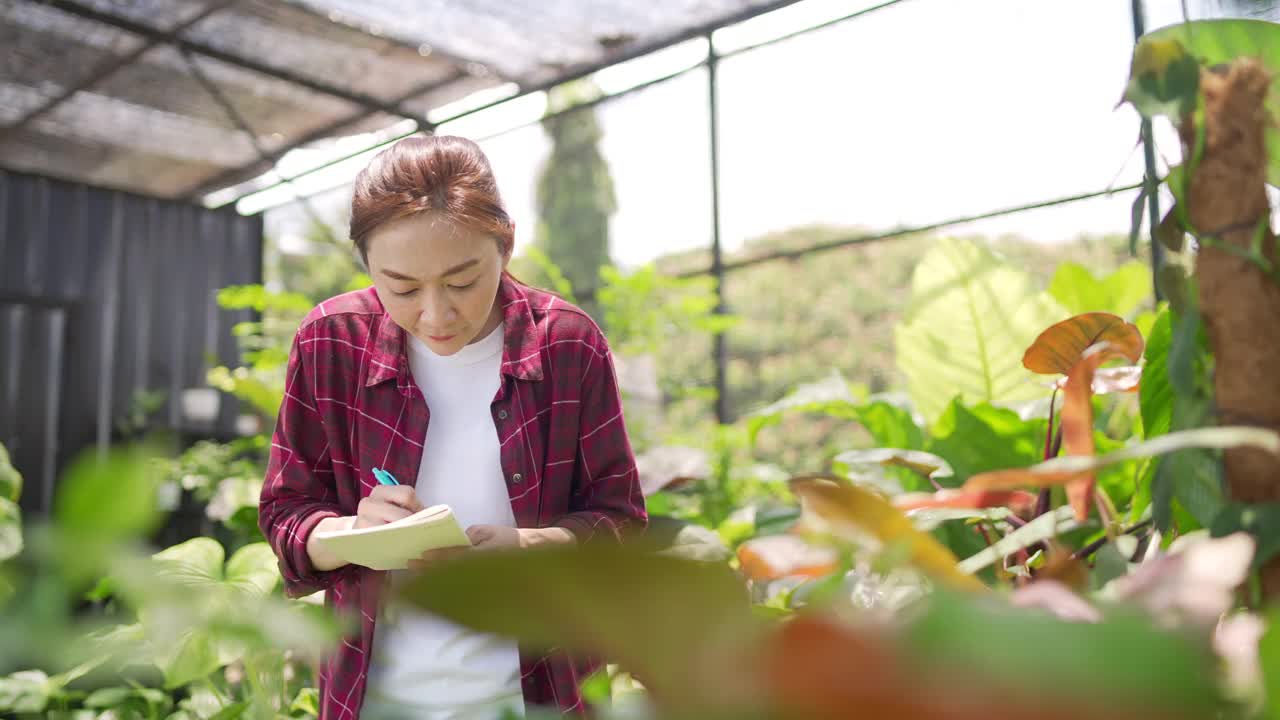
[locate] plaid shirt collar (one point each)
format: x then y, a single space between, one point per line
521 358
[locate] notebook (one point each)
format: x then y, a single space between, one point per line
393 545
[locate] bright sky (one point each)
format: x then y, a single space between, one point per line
927 110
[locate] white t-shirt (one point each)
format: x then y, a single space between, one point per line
424 666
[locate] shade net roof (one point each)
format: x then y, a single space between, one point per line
176 98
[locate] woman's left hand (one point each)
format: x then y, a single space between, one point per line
495 537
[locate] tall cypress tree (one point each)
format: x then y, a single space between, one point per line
575 195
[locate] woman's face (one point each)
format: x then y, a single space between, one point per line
437 280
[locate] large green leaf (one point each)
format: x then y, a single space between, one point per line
194 563
890 424
982 438
1220 41
210 607
1122 661
970 319
683 626
1122 292
832 396
108 499
1154 394
253 569
193 657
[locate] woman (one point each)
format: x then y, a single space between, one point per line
474 391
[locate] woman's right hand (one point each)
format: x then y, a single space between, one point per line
387 503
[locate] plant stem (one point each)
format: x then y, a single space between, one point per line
1048 433
1043 501
1093 547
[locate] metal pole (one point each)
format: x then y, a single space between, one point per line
1150 179
720 351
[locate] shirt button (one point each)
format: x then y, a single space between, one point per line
517 478
502 414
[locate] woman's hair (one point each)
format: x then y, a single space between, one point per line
441 174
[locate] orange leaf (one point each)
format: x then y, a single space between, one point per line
840 503
1020 477
1060 347
777 556
1016 500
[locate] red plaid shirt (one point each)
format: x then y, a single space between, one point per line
351 405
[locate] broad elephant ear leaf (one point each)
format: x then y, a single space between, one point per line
971 315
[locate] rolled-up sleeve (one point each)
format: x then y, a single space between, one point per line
606 502
298 490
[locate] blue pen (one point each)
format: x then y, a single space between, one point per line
384 477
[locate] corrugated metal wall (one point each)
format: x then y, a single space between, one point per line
104 294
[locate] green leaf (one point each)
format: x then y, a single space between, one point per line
195 657
871 468
1164 78
890 425
930 518
1220 41
1124 658
259 298
108 697
1197 483
196 562
970 318
983 438
1262 521
27 691
248 386
1155 396
109 499
1269 663
10 479
307 702
1142 491
1122 292
832 396
1108 564
10 529
645 611
231 712
686 540
597 688
1162 497
254 569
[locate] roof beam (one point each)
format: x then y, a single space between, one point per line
630 52
108 68
397 41
159 36
221 179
